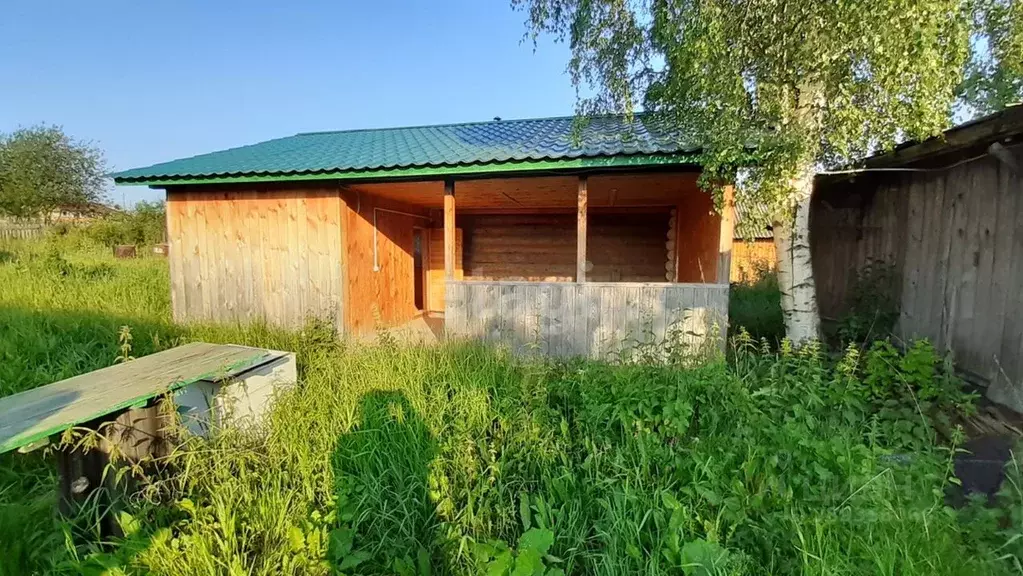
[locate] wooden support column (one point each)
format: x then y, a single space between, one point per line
580 234
726 235
449 230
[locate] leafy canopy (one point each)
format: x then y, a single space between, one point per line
994 74
42 168
791 84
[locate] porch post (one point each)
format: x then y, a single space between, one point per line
726 235
449 230
580 233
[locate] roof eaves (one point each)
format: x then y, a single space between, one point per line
684 158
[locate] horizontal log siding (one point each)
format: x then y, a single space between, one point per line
592 319
541 247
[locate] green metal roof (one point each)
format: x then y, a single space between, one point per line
422 151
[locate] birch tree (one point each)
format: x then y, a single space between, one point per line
773 90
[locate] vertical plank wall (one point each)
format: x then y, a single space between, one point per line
955 239
698 227
244 255
750 256
384 294
592 319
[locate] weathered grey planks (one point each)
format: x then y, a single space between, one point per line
593 319
21 230
34 414
955 238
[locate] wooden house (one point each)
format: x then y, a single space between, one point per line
574 238
946 215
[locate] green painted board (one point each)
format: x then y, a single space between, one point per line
42 412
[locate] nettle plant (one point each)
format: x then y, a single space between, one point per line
776 91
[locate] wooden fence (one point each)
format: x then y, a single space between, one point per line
21 230
593 319
751 257
953 240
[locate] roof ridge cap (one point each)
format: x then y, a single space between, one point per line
453 124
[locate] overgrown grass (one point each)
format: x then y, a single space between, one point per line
755 306
392 459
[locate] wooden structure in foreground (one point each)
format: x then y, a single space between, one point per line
946 216
212 385
367 255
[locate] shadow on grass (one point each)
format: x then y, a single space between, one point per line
382 470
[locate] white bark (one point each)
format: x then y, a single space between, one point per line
795 268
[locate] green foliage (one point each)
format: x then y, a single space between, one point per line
994 73
42 168
913 394
776 87
529 558
754 305
873 305
144 225
461 459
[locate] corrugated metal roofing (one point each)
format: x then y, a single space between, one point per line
752 221
476 143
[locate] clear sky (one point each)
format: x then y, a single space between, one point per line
154 80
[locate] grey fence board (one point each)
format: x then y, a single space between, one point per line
593 319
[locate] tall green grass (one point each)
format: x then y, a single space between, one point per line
754 305
462 459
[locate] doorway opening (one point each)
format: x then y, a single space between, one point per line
419 269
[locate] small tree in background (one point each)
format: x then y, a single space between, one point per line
781 89
42 168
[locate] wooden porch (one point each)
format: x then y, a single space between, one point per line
565 265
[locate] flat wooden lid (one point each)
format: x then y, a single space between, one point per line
35 414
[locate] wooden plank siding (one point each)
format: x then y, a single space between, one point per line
435 267
954 238
750 257
381 291
593 319
699 228
285 253
243 255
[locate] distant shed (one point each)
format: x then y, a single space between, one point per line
947 215
753 247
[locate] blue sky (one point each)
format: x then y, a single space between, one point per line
149 81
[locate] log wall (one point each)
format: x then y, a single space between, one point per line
542 247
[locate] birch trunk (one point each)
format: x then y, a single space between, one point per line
795 267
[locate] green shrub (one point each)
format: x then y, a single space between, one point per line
145 224
755 305
873 305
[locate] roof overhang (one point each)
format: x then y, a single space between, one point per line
582 164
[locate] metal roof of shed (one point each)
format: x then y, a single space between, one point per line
495 146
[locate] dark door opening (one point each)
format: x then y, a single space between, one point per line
418 269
